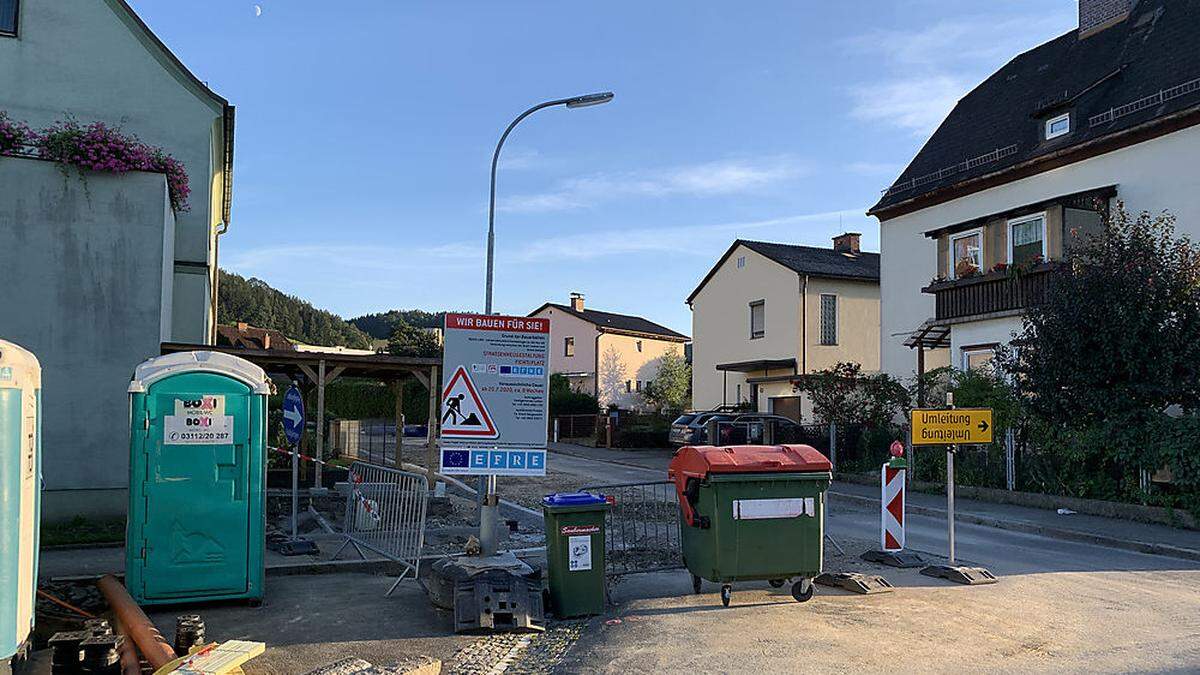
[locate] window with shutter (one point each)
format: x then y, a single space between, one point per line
758 319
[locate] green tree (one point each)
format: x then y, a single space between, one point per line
256 303
408 340
567 401
844 394
671 388
1115 345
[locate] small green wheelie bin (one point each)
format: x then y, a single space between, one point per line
575 552
752 512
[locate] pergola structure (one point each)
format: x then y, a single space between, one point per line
318 369
929 335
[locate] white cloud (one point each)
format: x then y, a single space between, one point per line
693 240
710 178
934 66
875 168
917 103
519 158
342 258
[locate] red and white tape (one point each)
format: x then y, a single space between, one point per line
368 505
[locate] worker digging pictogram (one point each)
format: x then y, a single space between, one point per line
463 411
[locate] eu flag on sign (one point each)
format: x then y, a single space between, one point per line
455 458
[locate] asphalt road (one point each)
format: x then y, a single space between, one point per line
1059 606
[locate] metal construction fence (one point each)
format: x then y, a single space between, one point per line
386 514
573 426
641 527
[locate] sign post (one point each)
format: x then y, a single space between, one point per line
293 427
494 404
951 427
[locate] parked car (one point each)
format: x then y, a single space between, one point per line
692 428
753 426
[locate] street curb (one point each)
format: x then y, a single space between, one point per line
1035 528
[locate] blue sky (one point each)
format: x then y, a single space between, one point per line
365 132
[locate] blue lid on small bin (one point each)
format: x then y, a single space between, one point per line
573 499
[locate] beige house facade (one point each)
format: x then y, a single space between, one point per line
611 356
768 313
974 227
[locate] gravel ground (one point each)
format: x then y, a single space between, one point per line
528 492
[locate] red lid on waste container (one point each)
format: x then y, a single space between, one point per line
702 460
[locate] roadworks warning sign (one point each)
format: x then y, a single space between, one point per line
464 414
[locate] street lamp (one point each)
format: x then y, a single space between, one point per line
573 102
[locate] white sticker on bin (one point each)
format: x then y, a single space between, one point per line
761 509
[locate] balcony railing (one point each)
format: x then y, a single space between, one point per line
990 293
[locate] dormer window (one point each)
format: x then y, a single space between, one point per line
1058 126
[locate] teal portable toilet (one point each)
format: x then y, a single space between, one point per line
196 479
20 496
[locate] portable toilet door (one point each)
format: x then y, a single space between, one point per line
20 495
196 484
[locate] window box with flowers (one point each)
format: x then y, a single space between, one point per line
95 147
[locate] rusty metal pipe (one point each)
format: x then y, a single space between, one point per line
136 624
131 663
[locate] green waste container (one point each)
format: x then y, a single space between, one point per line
575 552
752 512
196 479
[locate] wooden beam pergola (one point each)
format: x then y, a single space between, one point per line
321 368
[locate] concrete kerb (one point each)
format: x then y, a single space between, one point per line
1036 528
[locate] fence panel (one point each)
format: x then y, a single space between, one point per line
386 514
641 527
575 426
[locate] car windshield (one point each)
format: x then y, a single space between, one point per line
684 419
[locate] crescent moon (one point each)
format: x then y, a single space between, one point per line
258 10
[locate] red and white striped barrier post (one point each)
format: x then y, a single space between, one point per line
891 515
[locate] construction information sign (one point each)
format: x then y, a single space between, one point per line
951 427
495 395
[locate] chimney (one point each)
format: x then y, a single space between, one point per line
242 325
846 242
1096 15
266 339
577 302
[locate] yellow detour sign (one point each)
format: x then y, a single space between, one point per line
945 427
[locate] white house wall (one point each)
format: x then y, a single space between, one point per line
79 57
84 269
721 324
1156 175
563 325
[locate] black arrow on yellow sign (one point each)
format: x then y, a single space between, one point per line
983 425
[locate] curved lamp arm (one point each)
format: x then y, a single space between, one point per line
573 102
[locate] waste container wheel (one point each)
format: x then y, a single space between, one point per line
695 584
727 594
802 590
777 583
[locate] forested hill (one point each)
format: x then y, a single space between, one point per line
256 303
383 324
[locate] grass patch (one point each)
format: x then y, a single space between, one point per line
80 530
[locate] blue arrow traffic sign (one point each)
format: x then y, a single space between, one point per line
293 415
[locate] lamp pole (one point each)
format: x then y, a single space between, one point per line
573 102
489 506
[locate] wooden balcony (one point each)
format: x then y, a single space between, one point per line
992 294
